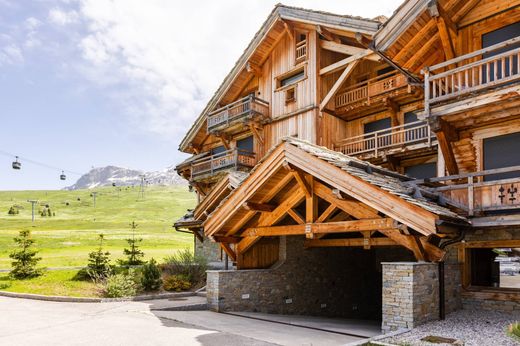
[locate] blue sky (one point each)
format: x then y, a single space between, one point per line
88 83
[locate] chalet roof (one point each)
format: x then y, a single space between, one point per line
194 217
280 12
386 180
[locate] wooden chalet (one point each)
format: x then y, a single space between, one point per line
336 138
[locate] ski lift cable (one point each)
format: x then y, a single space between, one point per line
38 163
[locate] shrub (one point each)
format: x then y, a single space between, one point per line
14 210
176 283
514 330
133 255
98 267
24 256
186 263
151 276
119 285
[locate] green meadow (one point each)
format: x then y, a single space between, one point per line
66 239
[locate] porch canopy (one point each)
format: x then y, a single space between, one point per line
334 200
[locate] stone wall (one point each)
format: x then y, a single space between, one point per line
410 294
344 282
208 249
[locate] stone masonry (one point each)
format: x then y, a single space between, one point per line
410 294
341 282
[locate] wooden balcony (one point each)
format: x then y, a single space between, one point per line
470 74
247 108
372 91
234 159
398 138
301 51
478 193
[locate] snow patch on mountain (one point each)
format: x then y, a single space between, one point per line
110 175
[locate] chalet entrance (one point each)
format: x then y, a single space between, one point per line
310 229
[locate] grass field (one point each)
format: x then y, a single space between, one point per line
67 238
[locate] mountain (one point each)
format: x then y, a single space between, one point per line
109 175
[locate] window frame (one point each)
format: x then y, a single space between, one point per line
484 292
289 74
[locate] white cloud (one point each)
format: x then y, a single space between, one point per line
11 54
162 60
61 17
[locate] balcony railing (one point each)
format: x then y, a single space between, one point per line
478 191
301 51
249 106
471 73
371 88
230 159
394 137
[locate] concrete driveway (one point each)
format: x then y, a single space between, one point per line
32 322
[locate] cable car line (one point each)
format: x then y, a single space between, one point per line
18 165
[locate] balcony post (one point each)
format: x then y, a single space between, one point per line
429 134
236 158
375 144
427 91
471 196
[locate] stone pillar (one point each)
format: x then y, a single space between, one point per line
410 294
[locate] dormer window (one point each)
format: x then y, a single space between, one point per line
300 39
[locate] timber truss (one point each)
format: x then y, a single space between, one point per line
302 189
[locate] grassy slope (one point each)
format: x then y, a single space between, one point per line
67 238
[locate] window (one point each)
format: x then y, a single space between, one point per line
300 39
384 70
494 267
290 95
218 150
501 151
291 77
422 171
246 144
494 37
375 126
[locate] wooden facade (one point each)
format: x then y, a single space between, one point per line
420 94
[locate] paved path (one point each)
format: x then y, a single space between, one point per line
30 322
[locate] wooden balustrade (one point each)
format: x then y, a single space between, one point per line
301 51
249 106
371 88
471 73
478 191
230 159
394 137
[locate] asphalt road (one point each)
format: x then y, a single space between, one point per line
32 322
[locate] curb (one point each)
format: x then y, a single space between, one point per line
95 300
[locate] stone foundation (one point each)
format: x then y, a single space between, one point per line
209 250
337 282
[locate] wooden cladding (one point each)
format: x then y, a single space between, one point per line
362 92
247 107
229 159
394 137
464 75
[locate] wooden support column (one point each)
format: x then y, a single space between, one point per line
446 134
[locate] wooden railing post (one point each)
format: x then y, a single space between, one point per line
427 91
471 196
429 134
375 144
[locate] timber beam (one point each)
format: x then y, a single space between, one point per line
224 239
261 207
329 227
350 242
229 251
337 85
341 48
329 36
446 134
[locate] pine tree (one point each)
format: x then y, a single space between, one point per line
98 267
151 279
134 254
25 260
